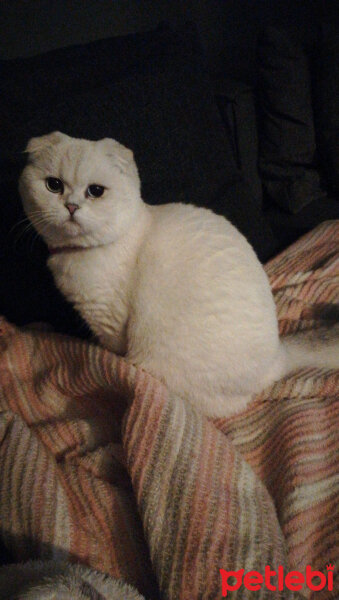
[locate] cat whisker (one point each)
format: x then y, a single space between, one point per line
16 225
30 229
23 221
34 239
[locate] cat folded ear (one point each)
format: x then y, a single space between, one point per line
122 158
114 148
37 144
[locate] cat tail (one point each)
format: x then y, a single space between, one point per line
317 347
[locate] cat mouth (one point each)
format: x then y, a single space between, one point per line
72 221
71 226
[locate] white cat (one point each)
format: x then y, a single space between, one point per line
175 288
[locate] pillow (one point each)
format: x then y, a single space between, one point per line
236 102
327 103
287 137
150 92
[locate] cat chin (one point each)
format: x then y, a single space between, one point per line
61 236
75 230
72 228
75 237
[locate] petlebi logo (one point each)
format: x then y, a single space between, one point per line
276 580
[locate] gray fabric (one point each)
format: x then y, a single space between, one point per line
287 156
48 580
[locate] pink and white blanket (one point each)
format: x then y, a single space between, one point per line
99 464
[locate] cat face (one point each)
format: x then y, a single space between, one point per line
80 193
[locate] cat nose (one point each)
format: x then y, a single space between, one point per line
71 207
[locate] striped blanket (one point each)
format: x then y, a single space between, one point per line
100 464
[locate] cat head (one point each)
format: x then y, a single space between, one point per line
79 192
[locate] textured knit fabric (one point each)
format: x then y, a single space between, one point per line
101 465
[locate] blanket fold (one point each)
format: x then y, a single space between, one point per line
201 504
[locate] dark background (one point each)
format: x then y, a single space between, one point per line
228 28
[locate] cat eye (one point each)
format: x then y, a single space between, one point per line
95 191
55 185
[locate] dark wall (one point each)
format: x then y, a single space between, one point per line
228 28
